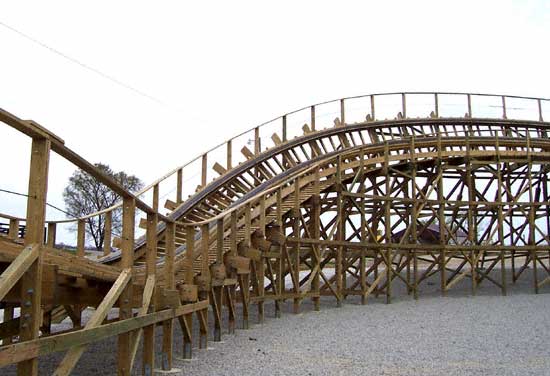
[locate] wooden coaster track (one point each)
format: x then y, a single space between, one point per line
347 210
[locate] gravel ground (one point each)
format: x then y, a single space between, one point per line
455 335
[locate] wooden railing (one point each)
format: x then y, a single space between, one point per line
194 175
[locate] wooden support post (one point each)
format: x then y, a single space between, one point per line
31 281
8 316
387 223
313 118
404 105
472 221
532 215
339 231
107 239
469 99
363 237
414 218
13 231
373 114
284 129
316 234
342 112
179 186
500 220
169 270
257 141
231 291
52 230
280 282
150 270
188 318
436 105
124 360
441 220
204 170
260 265
81 238
297 245
229 160
205 274
217 289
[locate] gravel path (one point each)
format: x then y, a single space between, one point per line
454 335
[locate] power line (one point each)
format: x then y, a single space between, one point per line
50 205
83 65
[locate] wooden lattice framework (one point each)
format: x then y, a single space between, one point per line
352 209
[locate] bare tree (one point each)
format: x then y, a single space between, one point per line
86 195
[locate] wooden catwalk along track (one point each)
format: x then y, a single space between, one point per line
450 184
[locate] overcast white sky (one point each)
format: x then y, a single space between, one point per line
221 67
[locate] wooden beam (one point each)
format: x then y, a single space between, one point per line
17 268
74 354
31 282
22 351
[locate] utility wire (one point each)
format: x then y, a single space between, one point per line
98 72
50 205
83 65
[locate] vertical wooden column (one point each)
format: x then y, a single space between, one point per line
372 107
13 231
316 234
150 270
414 218
205 287
244 278
260 265
436 105
52 232
169 270
204 170
313 118
342 112
297 245
339 231
31 281
231 290
284 130
125 300
108 233
280 282
387 223
363 233
9 309
217 283
81 238
189 274
441 220
472 227
532 212
229 156
179 186
500 220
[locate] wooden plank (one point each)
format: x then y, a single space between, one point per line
125 306
74 354
31 282
108 233
81 238
17 268
146 301
22 351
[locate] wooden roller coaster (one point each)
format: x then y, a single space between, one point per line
450 185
